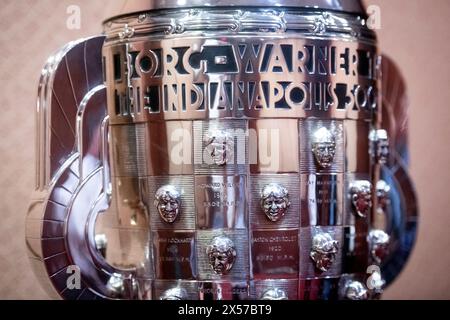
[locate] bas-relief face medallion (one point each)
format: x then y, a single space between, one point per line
383 189
324 147
174 294
274 294
168 203
219 147
355 290
221 254
361 197
275 201
324 250
379 244
379 147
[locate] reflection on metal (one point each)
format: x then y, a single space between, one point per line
274 294
379 145
379 245
361 197
323 251
355 290
174 294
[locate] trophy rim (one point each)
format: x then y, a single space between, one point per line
131 7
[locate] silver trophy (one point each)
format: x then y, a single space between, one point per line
229 151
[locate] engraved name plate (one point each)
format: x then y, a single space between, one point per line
229 261
174 254
308 266
224 290
275 254
184 186
319 289
321 146
220 147
175 290
355 253
322 201
283 206
283 289
221 202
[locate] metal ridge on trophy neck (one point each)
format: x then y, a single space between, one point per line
136 6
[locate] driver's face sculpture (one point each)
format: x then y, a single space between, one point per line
323 251
379 145
221 255
174 294
274 294
361 197
219 147
275 201
168 203
324 147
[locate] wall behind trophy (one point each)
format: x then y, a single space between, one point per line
413 33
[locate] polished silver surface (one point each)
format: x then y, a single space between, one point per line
278 289
220 203
324 147
361 197
382 190
226 151
379 244
219 147
135 6
274 294
379 145
355 290
168 203
275 201
174 294
323 251
272 205
221 254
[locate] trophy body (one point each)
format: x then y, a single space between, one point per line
227 152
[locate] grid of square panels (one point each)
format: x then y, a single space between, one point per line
228 201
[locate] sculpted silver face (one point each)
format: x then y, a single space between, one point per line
221 255
168 203
324 147
275 201
355 290
379 147
323 251
361 197
383 190
219 146
379 244
275 294
174 294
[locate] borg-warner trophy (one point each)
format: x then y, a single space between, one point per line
222 150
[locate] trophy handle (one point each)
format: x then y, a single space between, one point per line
72 178
401 212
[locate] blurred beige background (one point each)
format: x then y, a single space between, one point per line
415 33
